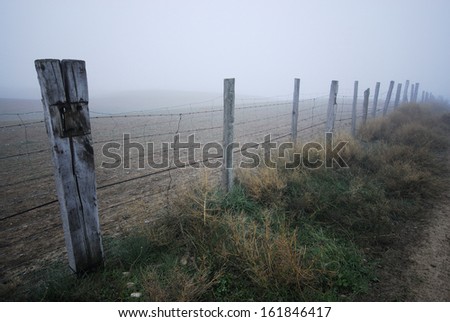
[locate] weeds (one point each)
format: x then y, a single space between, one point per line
280 234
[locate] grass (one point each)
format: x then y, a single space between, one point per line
280 234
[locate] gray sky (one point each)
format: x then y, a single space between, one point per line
192 45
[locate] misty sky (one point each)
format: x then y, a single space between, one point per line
193 45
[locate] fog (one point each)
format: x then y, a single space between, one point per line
193 45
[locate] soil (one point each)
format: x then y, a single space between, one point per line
430 261
30 239
416 268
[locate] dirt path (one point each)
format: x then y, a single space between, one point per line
429 272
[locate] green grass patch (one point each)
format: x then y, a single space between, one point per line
280 234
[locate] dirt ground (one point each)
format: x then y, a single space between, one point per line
32 238
429 271
417 267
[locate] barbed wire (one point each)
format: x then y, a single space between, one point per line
154 114
313 106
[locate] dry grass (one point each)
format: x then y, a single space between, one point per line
184 282
263 184
282 234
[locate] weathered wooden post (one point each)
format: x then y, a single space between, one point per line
228 133
416 92
355 102
332 103
375 100
405 92
388 98
365 105
65 100
295 101
397 94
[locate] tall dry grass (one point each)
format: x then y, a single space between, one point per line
280 234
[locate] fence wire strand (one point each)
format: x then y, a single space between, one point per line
312 112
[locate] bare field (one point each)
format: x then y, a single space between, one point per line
127 197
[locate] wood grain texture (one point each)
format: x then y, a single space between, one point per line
65 101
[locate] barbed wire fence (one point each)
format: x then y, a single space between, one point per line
29 205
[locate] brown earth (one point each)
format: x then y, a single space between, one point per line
30 239
429 270
417 267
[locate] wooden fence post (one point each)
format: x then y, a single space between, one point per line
416 92
355 102
375 100
65 100
332 103
388 98
228 133
294 130
397 95
405 92
413 90
365 105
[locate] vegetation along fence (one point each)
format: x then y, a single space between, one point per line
118 188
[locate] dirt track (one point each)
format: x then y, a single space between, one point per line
429 271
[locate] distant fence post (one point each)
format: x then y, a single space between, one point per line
375 99
416 92
355 102
228 133
397 95
365 105
405 92
295 101
388 98
332 102
65 100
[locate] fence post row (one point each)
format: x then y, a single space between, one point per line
365 105
295 102
388 98
228 133
65 101
332 103
355 101
375 100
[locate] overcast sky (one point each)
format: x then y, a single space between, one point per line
193 45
